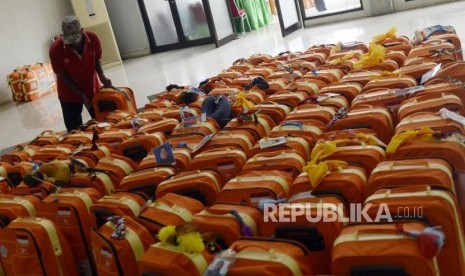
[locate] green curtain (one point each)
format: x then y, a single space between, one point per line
258 12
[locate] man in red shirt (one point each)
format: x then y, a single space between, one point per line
76 60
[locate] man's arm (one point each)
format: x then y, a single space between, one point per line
103 79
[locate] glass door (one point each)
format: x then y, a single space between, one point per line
173 24
288 14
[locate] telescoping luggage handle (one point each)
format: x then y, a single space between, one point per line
119 90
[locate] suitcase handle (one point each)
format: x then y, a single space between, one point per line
119 90
411 163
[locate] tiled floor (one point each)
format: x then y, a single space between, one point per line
150 74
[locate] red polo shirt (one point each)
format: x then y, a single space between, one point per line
81 69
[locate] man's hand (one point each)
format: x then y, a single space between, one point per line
106 82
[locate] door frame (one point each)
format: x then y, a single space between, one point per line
182 43
294 27
209 14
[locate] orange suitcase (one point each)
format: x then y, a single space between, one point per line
256 59
259 127
454 39
120 203
114 137
237 139
377 249
110 99
139 145
415 70
431 102
77 138
115 166
289 161
118 116
69 210
19 154
356 153
314 221
210 126
348 181
181 155
425 143
349 90
98 180
266 257
229 222
227 162
326 75
286 97
164 259
51 152
163 125
261 71
277 112
361 76
434 172
48 137
35 246
432 120
132 123
146 180
312 112
433 50
170 209
454 71
202 185
445 86
116 252
439 207
390 82
13 206
249 188
292 143
308 86
308 129
93 154
365 116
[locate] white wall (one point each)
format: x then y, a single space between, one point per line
130 34
26 31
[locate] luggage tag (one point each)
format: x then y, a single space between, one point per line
268 142
431 73
447 114
408 91
164 154
202 143
103 125
221 264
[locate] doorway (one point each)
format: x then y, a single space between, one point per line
174 24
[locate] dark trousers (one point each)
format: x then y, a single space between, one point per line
72 115
217 108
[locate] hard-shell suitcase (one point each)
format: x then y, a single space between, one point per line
69 210
434 172
228 222
377 249
438 207
111 99
35 246
268 257
170 209
118 245
249 188
227 162
314 221
202 185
